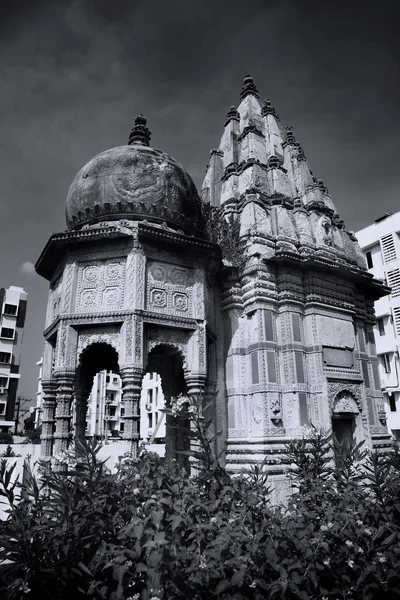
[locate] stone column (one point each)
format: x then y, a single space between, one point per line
49 388
65 390
131 389
81 398
195 386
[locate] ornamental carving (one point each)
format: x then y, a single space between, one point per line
170 289
100 286
169 337
341 389
109 334
345 403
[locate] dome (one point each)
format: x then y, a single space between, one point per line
133 182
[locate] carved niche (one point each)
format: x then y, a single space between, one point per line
169 289
100 286
345 403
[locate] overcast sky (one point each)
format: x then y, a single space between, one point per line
74 74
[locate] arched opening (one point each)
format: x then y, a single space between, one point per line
97 410
344 414
167 361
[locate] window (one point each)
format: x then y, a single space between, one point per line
156 398
122 427
381 326
156 415
388 248
149 397
150 375
7 333
370 263
393 279
122 411
3 381
396 317
5 357
115 379
10 309
108 379
2 409
392 403
150 417
386 362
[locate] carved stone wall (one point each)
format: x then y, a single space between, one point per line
170 289
100 286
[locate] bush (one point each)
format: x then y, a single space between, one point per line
6 437
33 436
151 532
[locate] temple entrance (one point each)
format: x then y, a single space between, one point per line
343 430
97 408
167 362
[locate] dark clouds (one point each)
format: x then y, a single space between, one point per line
75 74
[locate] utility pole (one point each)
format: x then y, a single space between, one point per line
21 401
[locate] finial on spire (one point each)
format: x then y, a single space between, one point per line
268 109
290 139
248 88
232 114
140 134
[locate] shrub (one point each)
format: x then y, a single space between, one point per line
150 531
33 436
6 437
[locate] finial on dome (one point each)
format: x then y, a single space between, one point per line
268 109
249 88
232 114
140 134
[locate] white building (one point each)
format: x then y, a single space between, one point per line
381 245
12 320
39 393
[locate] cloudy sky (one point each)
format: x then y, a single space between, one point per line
74 74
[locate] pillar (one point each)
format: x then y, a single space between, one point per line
65 390
131 390
195 388
49 388
81 398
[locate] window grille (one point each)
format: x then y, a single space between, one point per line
393 279
388 248
396 319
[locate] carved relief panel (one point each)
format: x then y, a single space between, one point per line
170 289
100 286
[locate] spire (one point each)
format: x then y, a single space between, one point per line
268 109
232 114
249 88
140 135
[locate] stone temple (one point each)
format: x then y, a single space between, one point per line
255 291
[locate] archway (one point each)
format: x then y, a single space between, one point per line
344 414
168 362
95 358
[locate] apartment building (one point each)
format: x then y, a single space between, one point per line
380 243
13 302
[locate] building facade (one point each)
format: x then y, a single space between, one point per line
13 302
255 293
381 246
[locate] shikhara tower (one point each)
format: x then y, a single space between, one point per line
285 334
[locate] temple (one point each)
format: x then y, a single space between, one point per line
255 291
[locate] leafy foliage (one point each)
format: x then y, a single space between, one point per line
6 437
33 435
152 532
